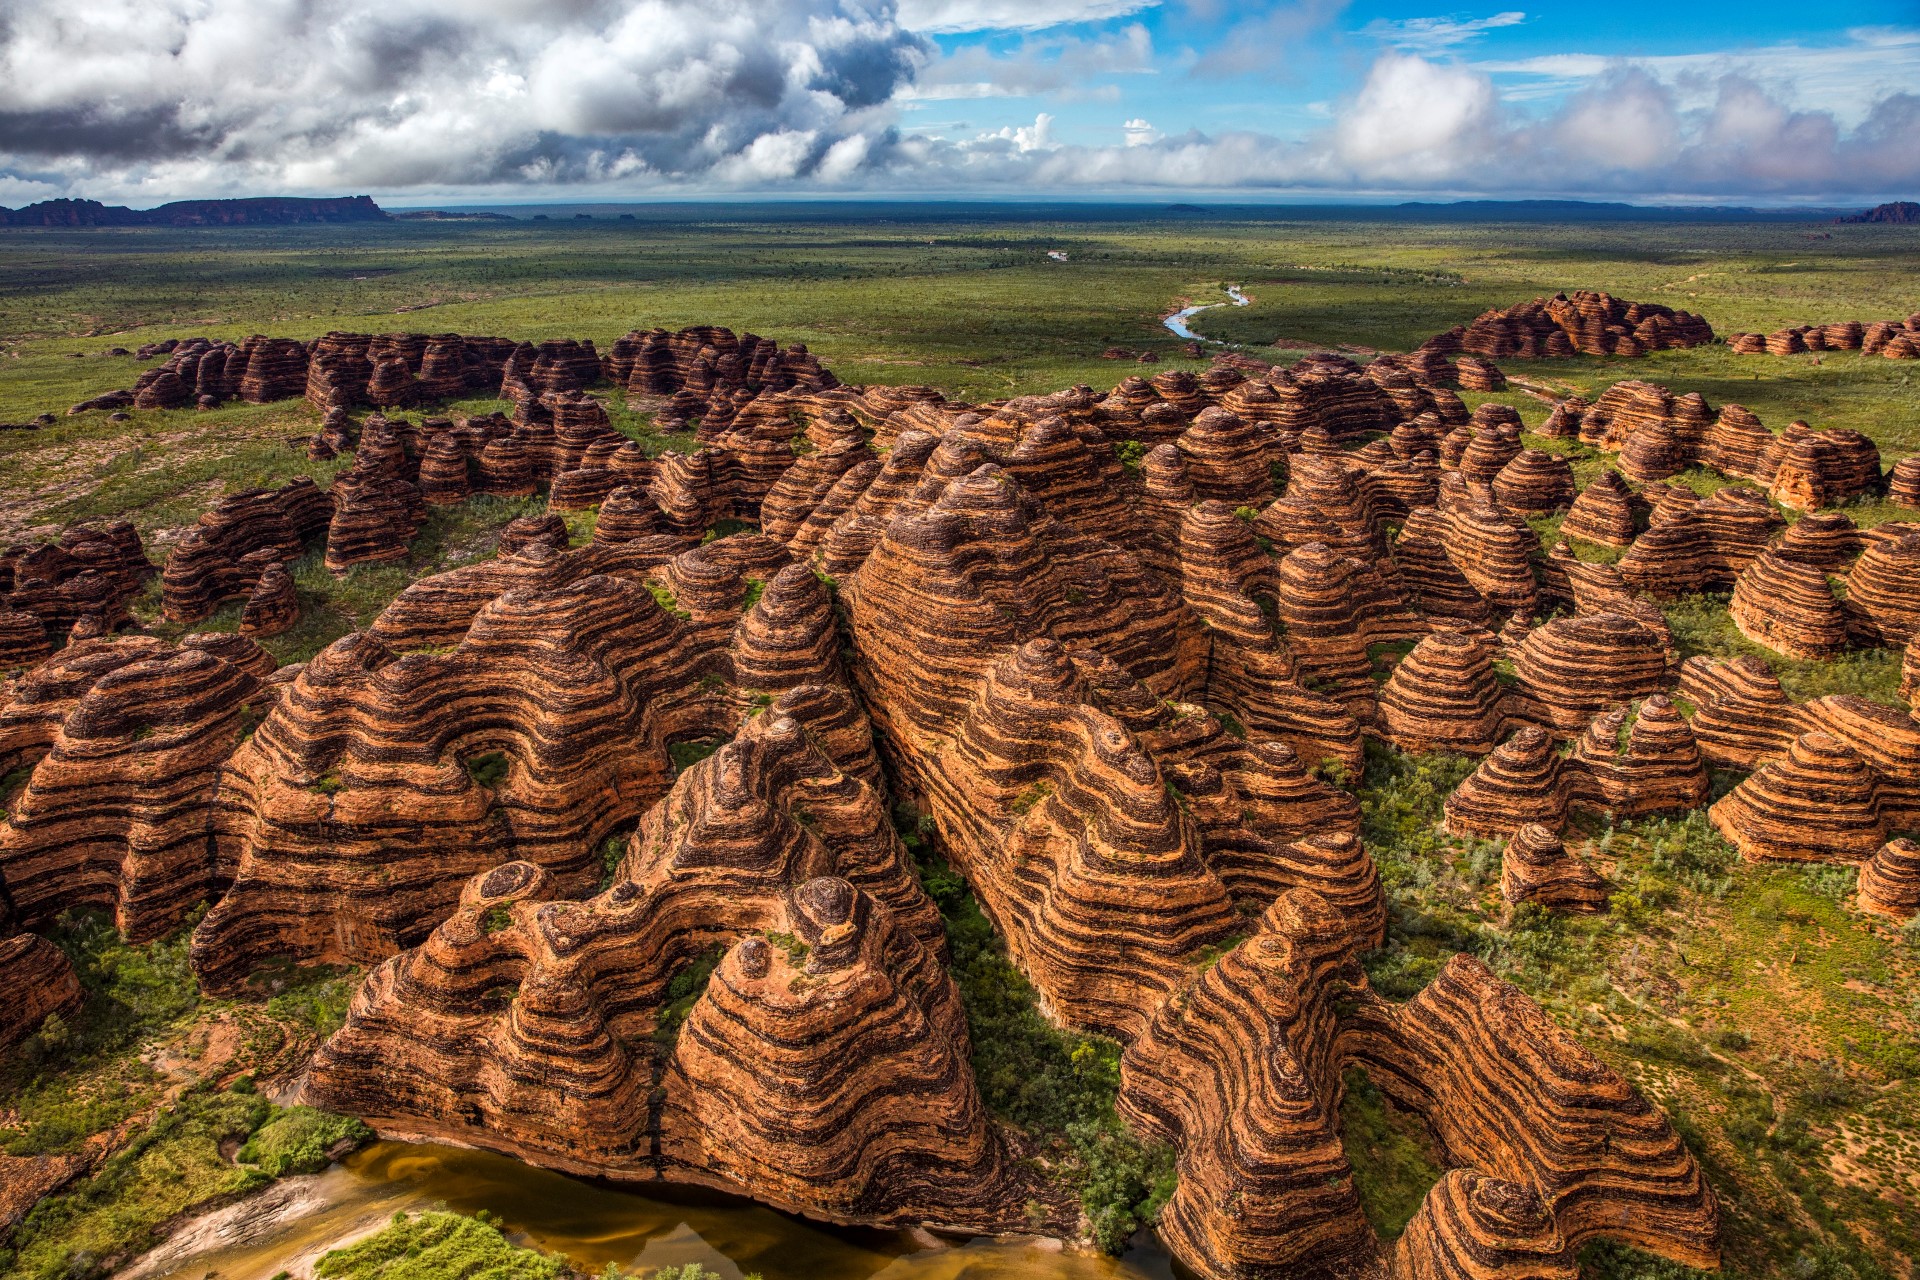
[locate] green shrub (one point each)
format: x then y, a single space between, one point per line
438 1246
297 1140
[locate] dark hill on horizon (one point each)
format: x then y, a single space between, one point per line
1898 212
258 211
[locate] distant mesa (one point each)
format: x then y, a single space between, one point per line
1898 212
449 215
261 211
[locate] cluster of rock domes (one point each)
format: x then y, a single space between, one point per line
1582 322
1659 434
706 372
1894 339
1109 686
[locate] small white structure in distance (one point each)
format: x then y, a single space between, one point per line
1057 255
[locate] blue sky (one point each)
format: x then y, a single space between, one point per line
419 101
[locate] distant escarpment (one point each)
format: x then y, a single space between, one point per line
254 211
1898 212
609 818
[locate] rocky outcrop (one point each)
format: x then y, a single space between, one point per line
1244 1075
1535 867
1784 603
1604 512
1820 802
1583 322
1890 881
382 780
223 556
823 1068
89 571
274 606
116 812
39 982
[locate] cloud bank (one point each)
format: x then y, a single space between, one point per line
155 99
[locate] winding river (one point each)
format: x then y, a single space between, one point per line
1177 322
287 1228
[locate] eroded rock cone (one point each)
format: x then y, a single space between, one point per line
1535 482
546 530
116 813
1444 696
1785 604
1883 589
1536 867
39 981
794 1064
1603 512
23 639
274 607
1903 482
1520 783
1821 803
1890 881
1574 668
1910 671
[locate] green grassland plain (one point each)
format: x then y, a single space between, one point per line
1780 1028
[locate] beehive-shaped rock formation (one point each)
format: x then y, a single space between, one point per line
224 554
117 813
1520 783
1784 603
369 754
1821 802
1890 881
1603 512
1244 1076
1444 696
1536 867
274 606
39 981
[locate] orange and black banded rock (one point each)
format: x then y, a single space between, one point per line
1242 1075
1444 696
1535 482
1903 482
1827 540
444 476
1804 468
1583 322
1701 545
542 728
1521 782
837 1083
1509 1093
1604 512
1889 881
90 571
39 982
375 516
1476 374
224 554
1784 603
23 640
1910 672
1473 1226
274 606
1820 802
116 814
1744 720
1535 867
1883 587
1660 766
1472 561
1570 669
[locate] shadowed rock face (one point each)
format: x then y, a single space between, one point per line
1108 678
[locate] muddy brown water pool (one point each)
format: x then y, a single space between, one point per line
291 1225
